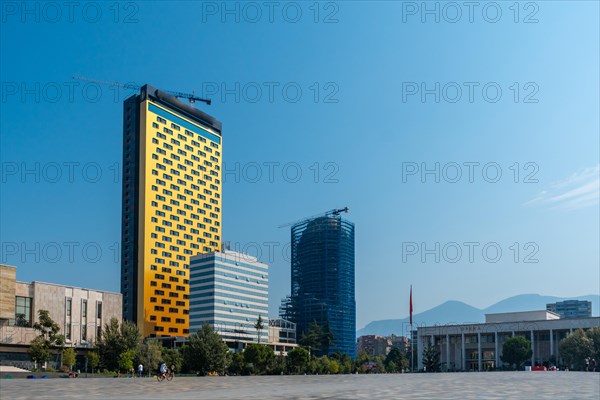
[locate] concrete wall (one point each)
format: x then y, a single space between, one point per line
8 277
53 298
537 315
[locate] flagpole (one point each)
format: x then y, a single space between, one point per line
412 348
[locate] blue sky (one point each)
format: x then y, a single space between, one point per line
330 114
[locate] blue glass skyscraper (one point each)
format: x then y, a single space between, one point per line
323 280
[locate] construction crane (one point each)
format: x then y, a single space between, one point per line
335 211
190 97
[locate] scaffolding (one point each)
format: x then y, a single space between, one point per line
323 280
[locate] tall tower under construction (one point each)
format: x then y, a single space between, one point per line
171 206
323 280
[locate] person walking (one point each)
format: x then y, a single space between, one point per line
587 364
593 365
140 370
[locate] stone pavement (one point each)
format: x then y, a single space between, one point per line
485 385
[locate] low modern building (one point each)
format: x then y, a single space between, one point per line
375 345
571 308
282 336
229 291
477 347
282 331
401 342
80 313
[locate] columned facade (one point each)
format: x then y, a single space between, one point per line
478 347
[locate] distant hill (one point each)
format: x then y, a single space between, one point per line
458 312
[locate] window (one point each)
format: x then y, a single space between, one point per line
84 309
68 331
83 333
99 310
23 311
68 307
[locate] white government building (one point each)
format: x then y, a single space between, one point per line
477 347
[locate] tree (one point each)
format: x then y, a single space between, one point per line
391 367
362 358
594 335
49 338
396 360
125 360
298 359
259 326
277 366
150 354
38 351
312 337
48 328
575 348
344 361
431 359
327 338
377 365
173 357
130 334
93 360
319 365
68 358
317 339
206 352
515 351
238 365
260 356
334 367
117 339
110 345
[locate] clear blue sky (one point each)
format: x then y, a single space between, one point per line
371 61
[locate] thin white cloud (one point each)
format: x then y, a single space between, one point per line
581 189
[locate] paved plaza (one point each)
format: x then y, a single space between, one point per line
486 385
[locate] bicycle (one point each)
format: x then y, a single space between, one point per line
167 375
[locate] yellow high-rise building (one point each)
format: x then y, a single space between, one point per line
172 203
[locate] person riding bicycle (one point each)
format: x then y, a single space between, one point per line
163 369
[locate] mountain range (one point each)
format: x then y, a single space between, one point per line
457 312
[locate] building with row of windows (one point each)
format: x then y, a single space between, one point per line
81 314
171 206
478 347
375 345
230 292
323 280
571 308
174 278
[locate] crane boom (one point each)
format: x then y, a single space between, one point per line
132 86
335 211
